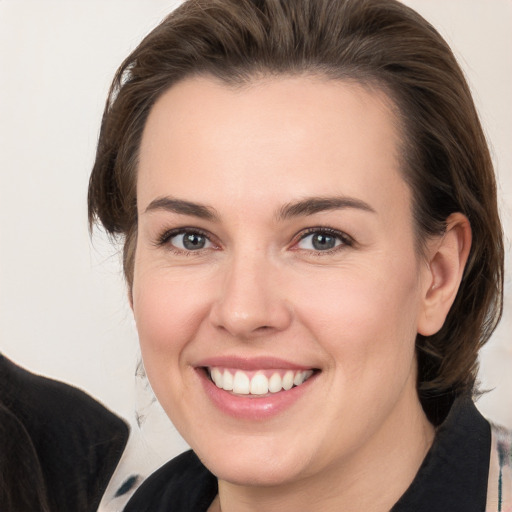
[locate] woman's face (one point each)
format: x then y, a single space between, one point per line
276 246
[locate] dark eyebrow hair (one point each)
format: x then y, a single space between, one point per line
307 206
312 205
182 207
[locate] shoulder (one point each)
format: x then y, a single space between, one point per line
58 416
499 491
76 440
183 483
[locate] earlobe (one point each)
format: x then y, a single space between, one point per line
447 259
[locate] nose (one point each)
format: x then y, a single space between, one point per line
252 300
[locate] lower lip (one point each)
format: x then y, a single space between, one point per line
251 407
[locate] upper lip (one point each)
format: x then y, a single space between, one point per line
251 363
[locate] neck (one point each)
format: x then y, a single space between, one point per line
372 479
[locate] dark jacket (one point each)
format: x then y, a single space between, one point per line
454 477
58 446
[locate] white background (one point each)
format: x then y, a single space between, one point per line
63 310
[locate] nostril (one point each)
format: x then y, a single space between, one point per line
248 314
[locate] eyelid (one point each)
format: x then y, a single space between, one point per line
346 240
164 238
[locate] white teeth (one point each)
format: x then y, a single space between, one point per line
217 377
275 383
299 378
288 380
227 383
241 383
259 384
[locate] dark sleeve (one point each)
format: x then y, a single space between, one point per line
77 441
21 478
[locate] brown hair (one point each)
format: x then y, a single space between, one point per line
446 160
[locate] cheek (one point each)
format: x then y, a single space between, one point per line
168 313
365 318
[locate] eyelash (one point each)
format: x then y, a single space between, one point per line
346 240
166 236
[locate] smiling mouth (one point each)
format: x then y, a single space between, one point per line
259 382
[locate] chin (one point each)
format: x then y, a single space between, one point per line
254 467
250 473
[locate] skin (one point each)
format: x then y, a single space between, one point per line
258 287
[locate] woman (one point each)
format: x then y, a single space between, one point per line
313 255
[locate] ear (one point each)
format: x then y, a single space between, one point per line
446 259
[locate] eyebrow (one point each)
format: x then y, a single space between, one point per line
312 205
182 207
304 207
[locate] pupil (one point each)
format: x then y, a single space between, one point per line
193 241
322 242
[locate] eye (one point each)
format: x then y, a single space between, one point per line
187 240
322 240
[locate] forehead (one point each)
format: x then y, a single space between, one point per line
281 136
